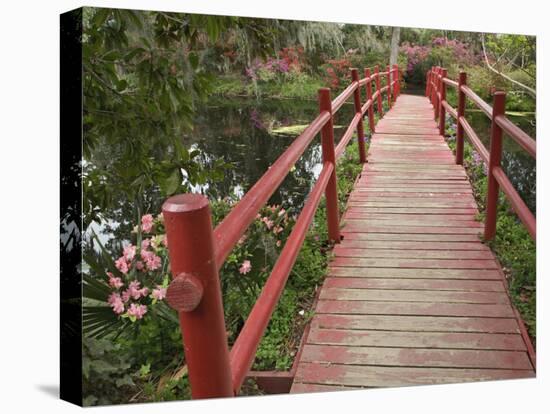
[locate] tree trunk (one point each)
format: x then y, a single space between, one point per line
394 47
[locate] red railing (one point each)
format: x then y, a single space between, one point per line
197 252
436 89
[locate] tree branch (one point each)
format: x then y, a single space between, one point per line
529 90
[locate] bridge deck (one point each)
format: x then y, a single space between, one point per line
412 295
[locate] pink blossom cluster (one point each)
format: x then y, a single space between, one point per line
271 65
126 300
415 54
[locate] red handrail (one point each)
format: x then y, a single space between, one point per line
195 291
436 82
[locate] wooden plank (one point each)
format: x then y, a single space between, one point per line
414 263
410 237
408 357
355 307
380 376
437 340
362 213
431 296
426 211
353 217
343 250
354 226
416 323
415 245
378 272
301 388
415 284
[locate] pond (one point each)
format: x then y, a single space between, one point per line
244 132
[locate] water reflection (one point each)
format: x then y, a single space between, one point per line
240 132
519 166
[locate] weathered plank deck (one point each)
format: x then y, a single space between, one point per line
412 295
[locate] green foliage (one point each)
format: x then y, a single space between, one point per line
141 76
106 371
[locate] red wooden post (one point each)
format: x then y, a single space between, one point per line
437 91
195 292
327 144
443 88
388 82
358 110
368 85
397 86
460 113
432 86
495 154
379 97
428 84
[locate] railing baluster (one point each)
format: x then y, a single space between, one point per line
327 144
196 294
358 110
388 83
379 97
495 154
368 85
460 111
429 84
437 91
397 86
443 92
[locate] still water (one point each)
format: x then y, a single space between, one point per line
240 132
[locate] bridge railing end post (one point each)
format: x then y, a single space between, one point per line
327 146
443 93
495 155
195 293
359 110
460 111
370 111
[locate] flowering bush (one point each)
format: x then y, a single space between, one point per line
337 72
290 59
143 275
441 52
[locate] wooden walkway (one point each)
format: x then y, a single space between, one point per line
412 295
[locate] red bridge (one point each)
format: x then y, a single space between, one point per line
412 295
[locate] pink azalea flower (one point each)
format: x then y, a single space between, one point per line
122 265
281 212
134 289
277 230
278 243
269 223
153 262
126 296
242 239
245 267
145 244
114 282
147 223
129 252
116 303
159 293
146 254
137 310
139 265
